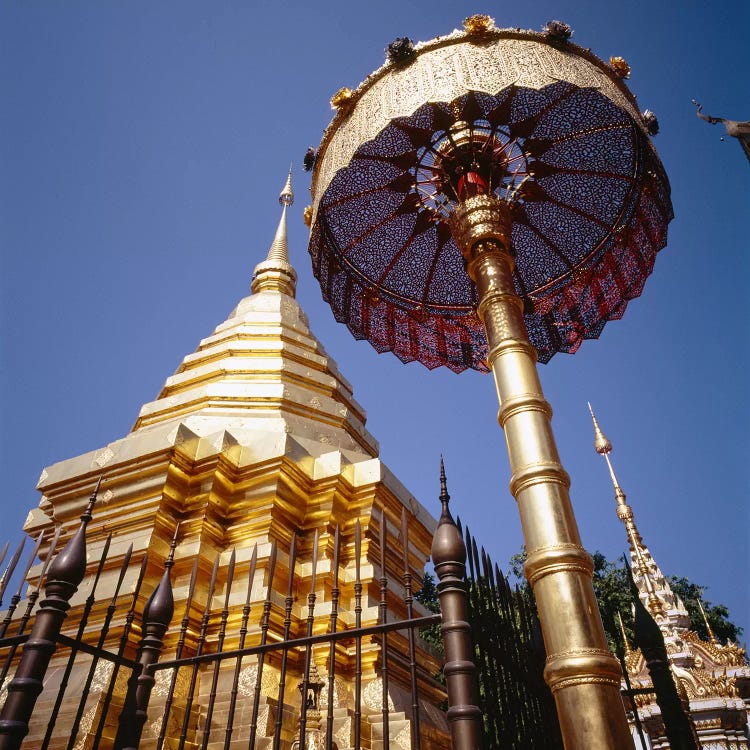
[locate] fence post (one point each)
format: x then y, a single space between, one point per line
449 559
64 576
678 725
157 614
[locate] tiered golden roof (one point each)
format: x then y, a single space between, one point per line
256 436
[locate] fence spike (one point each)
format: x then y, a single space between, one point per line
383 618
288 602
332 651
100 644
65 574
219 648
178 652
265 619
4 552
32 599
238 663
449 559
74 649
17 596
308 649
409 602
198 651
124 640
358 642
9 568
157 615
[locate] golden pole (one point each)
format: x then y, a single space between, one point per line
583 675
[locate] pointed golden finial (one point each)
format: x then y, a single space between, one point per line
275 273
625 513
287 194
603 447
624 634
601 444
711 635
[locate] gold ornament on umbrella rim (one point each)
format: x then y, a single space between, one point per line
478 24
620 66
341 97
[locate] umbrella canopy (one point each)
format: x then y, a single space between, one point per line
547 127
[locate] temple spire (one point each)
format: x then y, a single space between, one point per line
643 564
275 273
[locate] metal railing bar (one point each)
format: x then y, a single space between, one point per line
358 642
102 637
87 607
199 650
265 618
9 569
4 552
308 648
119 660
34 594
17 596
288 602
219 647
87 648
383 617
409 601
332 650
178 653
14 640
243 635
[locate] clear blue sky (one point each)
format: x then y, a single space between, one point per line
142 149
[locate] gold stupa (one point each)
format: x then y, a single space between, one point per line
256 436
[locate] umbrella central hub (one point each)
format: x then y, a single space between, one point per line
468 159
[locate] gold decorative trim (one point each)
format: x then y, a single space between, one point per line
576 681
444 69
540 472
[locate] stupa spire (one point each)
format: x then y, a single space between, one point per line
276 273
655 592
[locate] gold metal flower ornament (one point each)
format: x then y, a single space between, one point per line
478 24
341 97
620 67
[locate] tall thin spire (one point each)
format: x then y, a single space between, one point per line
643 564
275 273
709 629
626 645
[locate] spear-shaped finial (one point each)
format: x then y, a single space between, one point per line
86 516
601 444
275 273
711 635
603 447
447 543
444 497
624 634
625 513
286 198
169 562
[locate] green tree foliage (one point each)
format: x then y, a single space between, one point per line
428 597
612 589
716 614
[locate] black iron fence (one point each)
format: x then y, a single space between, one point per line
239 672
113 684
517 706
